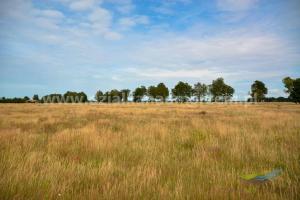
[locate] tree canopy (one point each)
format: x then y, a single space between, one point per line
258 90
52 98
139 93
75 97
220 91
288 84
295 91
125 94
99 96
182 91
35 97
200 90
160 92
292 88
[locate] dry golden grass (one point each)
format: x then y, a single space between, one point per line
144 151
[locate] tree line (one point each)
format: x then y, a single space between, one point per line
218 91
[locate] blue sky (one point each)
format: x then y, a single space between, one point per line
52 46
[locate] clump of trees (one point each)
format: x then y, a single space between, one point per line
182 92
13 100
75 97
52 98
159 92
278 99
68 97
112 96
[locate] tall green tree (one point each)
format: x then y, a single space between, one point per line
35 97
152 92
295 93
182 91
162 92
116 95
125 94
288 84
113 96
107 97
139 93
258 90
200 90
292 88
220 91
99 96
26 98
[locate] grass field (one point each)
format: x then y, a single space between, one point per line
144 151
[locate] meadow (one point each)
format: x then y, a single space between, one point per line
148 151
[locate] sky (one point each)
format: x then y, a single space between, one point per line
54 46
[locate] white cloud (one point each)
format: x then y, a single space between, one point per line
50 13
159 73
101 16
111 35
236 5
45 23
235 10
240 56
224 49
123 6
101 22
128 22
141 19
167 7
165 10
81 5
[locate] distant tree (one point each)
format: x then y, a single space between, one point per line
35 97
182 91
152 92
273 99
125 94
295 91
200 90
292 88
162 92
288 84
99 96
52 98
113 96
116 96
220 91
26 98
106 97
258 90
75 97
12 100
139 93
